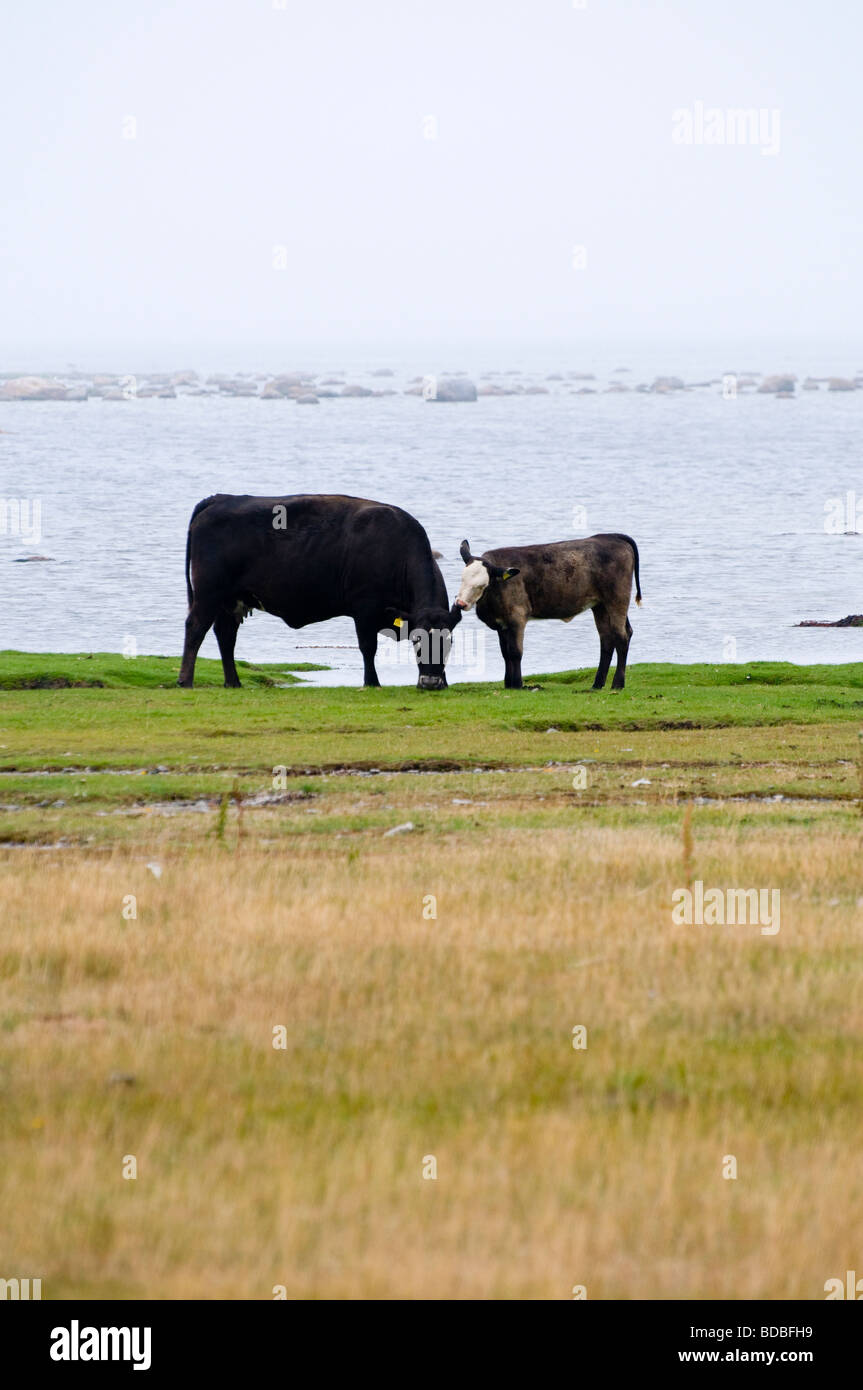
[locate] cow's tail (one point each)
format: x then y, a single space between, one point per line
630 541
189 593
199 508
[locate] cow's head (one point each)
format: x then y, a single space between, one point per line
477 576
429 631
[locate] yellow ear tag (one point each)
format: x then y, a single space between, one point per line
507 574
397 622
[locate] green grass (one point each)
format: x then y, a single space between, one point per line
95 762
130 714
109 671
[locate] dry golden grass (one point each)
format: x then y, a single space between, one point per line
409 1037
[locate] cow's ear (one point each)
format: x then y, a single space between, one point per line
508 573
464 552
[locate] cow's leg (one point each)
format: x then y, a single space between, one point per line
622 634
606 644
511 647
367 638
198 624
225 628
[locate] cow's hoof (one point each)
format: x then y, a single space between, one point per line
185 685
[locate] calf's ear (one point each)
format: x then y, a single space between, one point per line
464 552
498 572
508 574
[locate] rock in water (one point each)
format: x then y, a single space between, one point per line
452 389
782 385
33 388
237 387
852 620
287 384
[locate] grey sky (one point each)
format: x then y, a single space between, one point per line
305 128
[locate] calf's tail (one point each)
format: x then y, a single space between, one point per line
630 541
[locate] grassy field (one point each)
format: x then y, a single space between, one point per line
187 877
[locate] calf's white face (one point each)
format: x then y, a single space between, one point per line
474 582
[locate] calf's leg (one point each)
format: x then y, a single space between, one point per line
606 645
511 647
622 634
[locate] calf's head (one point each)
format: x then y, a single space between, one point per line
430 633
477 576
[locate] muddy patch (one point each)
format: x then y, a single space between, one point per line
48 683
201 805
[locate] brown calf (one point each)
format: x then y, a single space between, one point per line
515 583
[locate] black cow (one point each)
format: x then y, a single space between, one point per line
559 580
309 558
